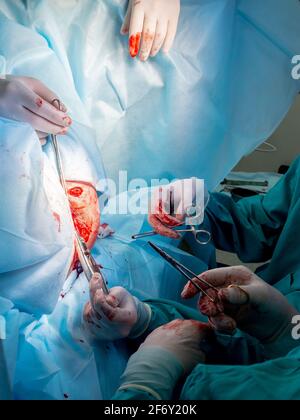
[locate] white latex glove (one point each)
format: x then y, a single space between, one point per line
188 197
182 338
167 353
247 302
28 100
152 25
115 316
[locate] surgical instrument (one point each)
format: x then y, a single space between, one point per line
198 234
87 261
239 183
186 272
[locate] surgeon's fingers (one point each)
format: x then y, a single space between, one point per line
101 306
223 323
235 295
40 89
164 216
116 296
41 124
161 229
127 19
160 35
147 37
96 283
126 314
210 304
219 278
167 219
169 40
190 290
223 277
98 299
44 92
41 107
135 30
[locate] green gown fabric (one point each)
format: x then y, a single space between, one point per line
258 229
261 228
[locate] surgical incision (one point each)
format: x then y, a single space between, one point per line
85 211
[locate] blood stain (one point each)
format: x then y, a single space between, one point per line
57 219
39 102
68 120
134 44
85 212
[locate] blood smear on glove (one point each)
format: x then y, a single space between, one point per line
134 44
209 308
165 217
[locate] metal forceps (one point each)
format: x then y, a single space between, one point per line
186 272
86 259
199 234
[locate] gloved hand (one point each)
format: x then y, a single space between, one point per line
188 198
167 353
247 302
152 25
28 100
115 316
182 338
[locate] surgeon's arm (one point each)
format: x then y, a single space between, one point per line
252 226
273 380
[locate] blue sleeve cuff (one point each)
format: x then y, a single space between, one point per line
144 314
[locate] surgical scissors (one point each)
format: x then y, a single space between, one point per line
186 272
198 234
87 261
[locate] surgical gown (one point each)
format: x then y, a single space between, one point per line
259 229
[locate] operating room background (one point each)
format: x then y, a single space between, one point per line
286 140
